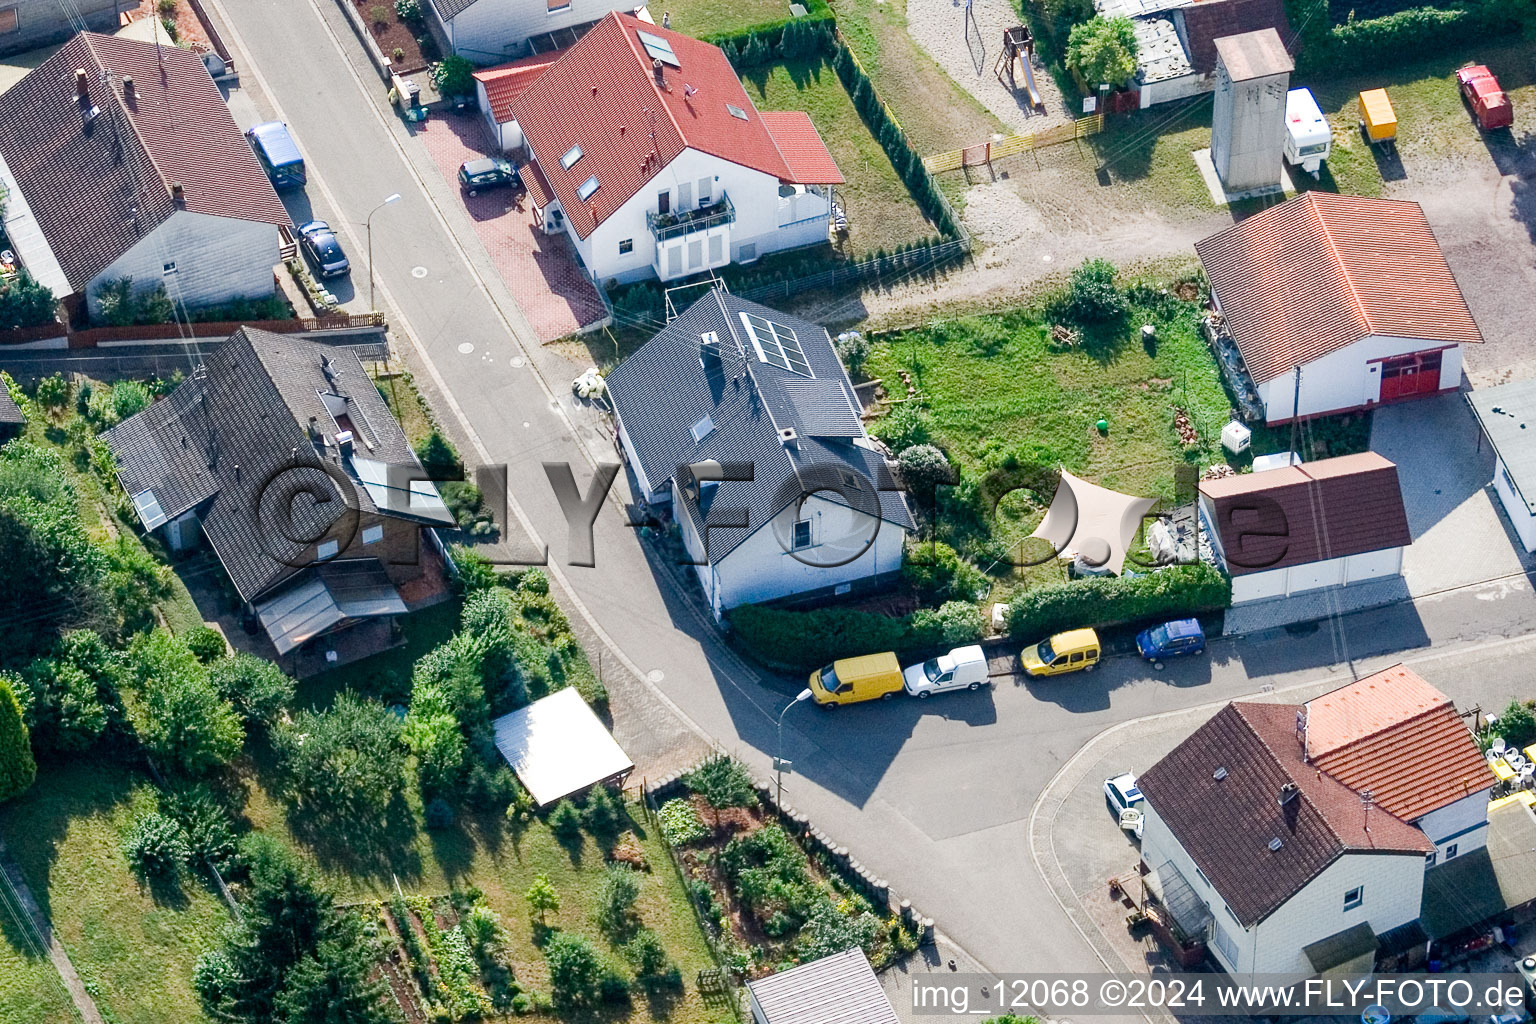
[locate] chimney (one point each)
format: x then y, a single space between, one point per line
237 472
594 90
789 438
82 84
656 69
178 195
128 93
314 429
1288 793
344 443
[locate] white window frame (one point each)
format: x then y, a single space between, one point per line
810 535
168 269
327 549
1450 851
626 246
1354 897
572 155
587 189
373 534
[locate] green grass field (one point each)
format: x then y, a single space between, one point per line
720 17
135 947
30 989
881 213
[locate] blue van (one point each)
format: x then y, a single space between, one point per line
278 154
1171 639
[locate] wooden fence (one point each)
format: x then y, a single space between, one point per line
91 337
986 152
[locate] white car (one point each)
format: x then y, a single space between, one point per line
964 668
1120 793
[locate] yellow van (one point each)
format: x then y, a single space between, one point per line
1064 652
850 680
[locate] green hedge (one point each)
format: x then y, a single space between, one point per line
801 641
1177 592
771 34
1416 33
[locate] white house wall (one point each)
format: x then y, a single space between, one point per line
507 134
759 215
218 259
1348 378
1463 824
495 31
1393 884
1515 510
1181 88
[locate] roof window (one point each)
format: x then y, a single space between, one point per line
571 156
703 428
736 111
587 188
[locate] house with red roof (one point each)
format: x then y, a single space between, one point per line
1297 840
645 149
122 160
1329 303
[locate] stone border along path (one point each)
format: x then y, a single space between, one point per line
967 51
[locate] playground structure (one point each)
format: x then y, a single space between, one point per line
1018 48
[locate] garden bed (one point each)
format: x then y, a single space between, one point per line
405 42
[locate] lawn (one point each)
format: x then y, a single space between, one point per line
405 402
136 949
881 213
30 989
720 17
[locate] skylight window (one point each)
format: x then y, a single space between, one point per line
658 48
710 339
587 188
703 429
571 156
736 112
776 344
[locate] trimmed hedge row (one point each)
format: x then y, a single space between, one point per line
802 641
771 33
1414 33
1177 592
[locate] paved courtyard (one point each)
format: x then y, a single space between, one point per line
540 270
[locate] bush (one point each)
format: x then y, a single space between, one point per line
936 572
906 425
346 763
1176 592
1062 15
853 349
1091 296
53 392
17 768
604 813
256 688
723 782
119 305
680 823
534 581
475 570
923 469
800 641
653 968
1102 50
453 76
206 643
178 715
25 303
1373 43
439 457
616 896
156 847
408 10
1517 724
830 931
575 970
208 827
565 820
380 15
129 398
953 624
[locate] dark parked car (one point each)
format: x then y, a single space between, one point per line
323 249
490 172
1171 639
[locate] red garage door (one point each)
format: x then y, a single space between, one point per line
1410 375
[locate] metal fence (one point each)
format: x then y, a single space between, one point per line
873 267
986 152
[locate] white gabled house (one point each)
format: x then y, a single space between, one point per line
492 31
742 420
1291 839
646 150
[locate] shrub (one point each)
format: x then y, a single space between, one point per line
156 847
345 763
440 751
853 349
612 987
380 15
17 768
439 457
830 931
53 392
408 10
680 823
257 689
604 813
454 75
208 827
490 787
1102 50
1062 15
1091 296
906 425
923 469
26 303
398 56
1176 592
936 572
206 643
542 897
953 624
565 820
653 968
575 970
534 581
723 782
178 715
1517 724
616 896
804 640
1368 44
129 397
475 570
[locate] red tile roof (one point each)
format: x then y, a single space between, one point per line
1308 513
1394 734
505 82
1228 825
93 201
1209 20
802 147
1321 271
603 96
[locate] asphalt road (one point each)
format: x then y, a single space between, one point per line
935 797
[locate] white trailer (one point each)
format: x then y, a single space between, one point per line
1308 139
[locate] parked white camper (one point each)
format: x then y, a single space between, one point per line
1308 139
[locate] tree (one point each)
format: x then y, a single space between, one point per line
17 769
1064 14
604 813
653 968
70 698
335 983
454 76
565 820
723 782
177 714
923 469
345 763
53 392
156 847
575 970
129 398
256 688
1091 296
440 752
542 897
616 896
439 457
25 303
1103 50
1517 724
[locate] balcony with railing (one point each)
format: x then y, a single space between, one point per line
687 222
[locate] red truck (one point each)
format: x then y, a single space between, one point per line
1490 107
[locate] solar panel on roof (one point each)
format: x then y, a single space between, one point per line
776 344
658 48
587 188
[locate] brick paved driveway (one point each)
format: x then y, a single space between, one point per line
540 270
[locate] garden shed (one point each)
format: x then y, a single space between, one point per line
558 746
837 989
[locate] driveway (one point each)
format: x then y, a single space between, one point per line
1459 534
540 270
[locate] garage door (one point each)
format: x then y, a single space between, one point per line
1410 375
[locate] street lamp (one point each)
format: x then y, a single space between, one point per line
390 199
778 762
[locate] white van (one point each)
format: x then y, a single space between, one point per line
964 668
1308 139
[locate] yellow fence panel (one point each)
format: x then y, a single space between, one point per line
1013 145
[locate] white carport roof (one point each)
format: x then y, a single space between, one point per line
1092 522
558 746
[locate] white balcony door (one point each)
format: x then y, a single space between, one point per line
685 196
705 195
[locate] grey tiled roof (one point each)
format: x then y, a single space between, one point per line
233 441
838 989
675 380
